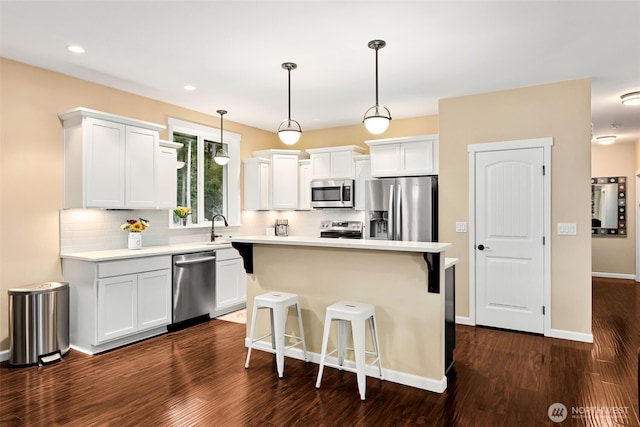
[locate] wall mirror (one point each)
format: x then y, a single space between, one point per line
609 206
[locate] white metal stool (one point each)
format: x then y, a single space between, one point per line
278 304
357 313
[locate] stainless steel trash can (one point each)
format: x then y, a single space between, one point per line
38 323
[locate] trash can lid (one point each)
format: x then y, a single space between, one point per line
39 288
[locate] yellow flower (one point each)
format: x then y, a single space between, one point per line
136 227
182 211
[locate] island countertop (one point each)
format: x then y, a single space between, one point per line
383 245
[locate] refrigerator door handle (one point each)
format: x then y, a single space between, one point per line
398 214
390 229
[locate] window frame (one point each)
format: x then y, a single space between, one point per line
231 180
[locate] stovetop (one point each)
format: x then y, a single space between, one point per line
341 229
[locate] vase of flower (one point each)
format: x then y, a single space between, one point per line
135 227
135 241
182 212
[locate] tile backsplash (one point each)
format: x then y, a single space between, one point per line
83 230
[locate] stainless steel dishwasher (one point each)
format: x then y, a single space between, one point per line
193 285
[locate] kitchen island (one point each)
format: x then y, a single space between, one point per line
404 280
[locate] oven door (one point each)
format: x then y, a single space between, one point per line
332 193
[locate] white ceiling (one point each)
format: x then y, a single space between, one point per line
232 52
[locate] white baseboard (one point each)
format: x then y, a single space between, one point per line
4 355
569 335
464 321
423 383
614 275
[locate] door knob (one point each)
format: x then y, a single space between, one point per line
482 247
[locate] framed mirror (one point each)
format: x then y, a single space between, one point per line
609 206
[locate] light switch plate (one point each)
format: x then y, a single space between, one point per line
461 227
567 229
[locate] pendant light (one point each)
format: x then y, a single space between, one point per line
632 98
289 130
221 157
377 118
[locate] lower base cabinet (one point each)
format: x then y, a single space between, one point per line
231 282
114 303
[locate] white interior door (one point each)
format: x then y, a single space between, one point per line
509 251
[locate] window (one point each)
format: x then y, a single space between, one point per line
203 185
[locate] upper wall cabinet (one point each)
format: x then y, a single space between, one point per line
407 156
109 161
334 162
167 178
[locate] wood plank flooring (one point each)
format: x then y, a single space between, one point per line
196 377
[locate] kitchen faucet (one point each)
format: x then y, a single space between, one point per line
213 221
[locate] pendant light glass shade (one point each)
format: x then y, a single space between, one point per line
289 130
632 98
377 118
221 157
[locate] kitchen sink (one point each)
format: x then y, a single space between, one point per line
218 243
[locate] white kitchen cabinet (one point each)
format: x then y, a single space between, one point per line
231 282
282 188
407 156
257 183
109 161
114 303
304 189
363 173
167 178
334 162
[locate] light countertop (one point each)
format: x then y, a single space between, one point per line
383 245
115 254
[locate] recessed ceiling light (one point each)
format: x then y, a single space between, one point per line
632 98
75 48
190 88
605 140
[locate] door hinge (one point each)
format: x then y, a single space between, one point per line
543 170
544 240
543 310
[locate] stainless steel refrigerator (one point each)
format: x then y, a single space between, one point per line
402 209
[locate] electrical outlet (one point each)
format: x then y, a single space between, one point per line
567 229
461 227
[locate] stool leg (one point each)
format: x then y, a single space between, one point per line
279 318
304 345
343 330
253 329
374 336
359 350
323 353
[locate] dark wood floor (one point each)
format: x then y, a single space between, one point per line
197 377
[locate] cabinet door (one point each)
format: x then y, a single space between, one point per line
304 192
154 299
265 186
417 158
117 307
140 171
342 164
284 179
385 160
228 283
167 180
104 163
363 173
321 165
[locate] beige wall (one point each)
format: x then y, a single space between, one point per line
31 163
616 255
558 110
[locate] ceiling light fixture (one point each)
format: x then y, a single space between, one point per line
632 98
377 118
189 88
221 157
289 130
75 48
605 140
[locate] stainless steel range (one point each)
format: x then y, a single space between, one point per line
341 229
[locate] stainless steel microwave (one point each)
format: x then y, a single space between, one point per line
332 193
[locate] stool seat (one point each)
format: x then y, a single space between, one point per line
278 304
357 314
